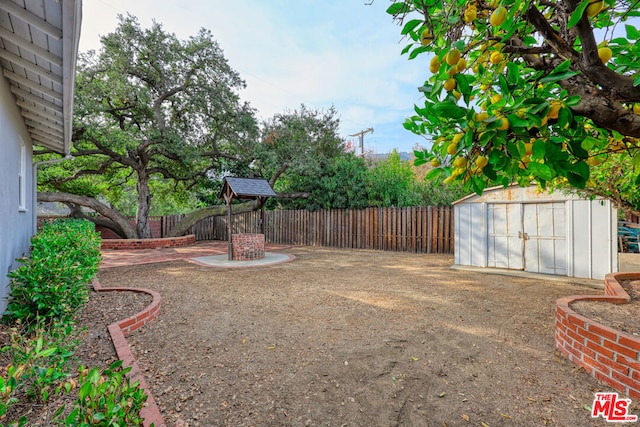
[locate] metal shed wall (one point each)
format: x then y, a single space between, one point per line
520 228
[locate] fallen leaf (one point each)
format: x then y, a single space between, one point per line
506 416
271 347
415 359
483 424
443 394
465 417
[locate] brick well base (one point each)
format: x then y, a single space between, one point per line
247 247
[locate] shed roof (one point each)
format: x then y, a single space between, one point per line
38 50
247 188
516 194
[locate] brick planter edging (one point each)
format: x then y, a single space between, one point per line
609 355
119 330
165 242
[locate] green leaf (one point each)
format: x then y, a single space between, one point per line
396 8
541 170
577 14
518 122
539 149
632 32
433 173
636 159
513 73
449 110
559 76
417 51
504 86
410 26
463 83
636 81
589 143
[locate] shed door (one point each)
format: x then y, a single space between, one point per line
545 237
505 244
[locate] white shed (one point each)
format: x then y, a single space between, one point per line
520 229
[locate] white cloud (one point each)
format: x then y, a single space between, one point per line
320 53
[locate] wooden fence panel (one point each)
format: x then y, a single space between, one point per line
421 229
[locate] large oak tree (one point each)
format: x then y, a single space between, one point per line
150 107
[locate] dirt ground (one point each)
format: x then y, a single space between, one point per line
355 338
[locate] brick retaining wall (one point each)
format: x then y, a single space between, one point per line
247 246
609 355
119 330
166 242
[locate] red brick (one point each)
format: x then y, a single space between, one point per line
633 364
602 368
603 331
601 350
620 349
632 343
577 337
574 319
610 381
625 379
590 335
622 369
127 322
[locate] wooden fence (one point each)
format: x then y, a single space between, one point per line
413 229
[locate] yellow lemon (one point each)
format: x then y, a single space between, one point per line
457 138
481 162
605 54
452 71
450 84
452 148
594 8
496 98
504 125
496 57
435 163
554 109
498 16
528 148
636 108
434 65
462 64
453 56
460 162
426 37
481 116
470 13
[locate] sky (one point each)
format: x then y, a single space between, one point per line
319 53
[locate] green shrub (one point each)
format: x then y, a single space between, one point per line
53 282
105 399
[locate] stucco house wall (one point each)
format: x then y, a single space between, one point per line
16 163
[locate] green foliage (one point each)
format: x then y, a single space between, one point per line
529 99
154 117
301 142
393 183
106 398
52 283
342 184
43 352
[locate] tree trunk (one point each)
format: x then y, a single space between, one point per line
143 228
192 218
89 202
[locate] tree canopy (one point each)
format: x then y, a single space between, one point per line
151 107
524 91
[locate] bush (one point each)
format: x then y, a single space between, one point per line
52 283
105 399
